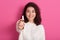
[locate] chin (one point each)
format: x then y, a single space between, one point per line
31 19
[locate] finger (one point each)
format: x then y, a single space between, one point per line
21 20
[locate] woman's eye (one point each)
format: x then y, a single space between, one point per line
33 11
27 10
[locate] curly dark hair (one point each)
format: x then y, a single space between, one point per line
37 19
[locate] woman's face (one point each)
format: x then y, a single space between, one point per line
30 13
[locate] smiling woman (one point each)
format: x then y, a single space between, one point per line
32 9
30 28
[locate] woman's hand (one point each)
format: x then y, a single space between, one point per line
21 24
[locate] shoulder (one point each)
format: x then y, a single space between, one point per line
41 27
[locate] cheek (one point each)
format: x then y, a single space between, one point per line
34 15
27 15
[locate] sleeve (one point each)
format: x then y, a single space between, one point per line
17 29
42 33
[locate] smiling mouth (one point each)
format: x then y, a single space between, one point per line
30 16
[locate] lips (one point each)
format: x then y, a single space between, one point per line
30 16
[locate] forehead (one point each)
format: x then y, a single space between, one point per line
30 8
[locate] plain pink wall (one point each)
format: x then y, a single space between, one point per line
10 11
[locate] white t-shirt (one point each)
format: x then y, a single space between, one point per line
31 32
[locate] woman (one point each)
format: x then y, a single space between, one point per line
30 28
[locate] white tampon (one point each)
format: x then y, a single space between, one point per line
22 17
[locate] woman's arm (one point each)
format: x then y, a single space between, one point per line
20 25
41 33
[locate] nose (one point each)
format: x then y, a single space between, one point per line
30 13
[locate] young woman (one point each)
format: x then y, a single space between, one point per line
30 28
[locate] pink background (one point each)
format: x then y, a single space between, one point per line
10 11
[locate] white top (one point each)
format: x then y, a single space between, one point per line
31 32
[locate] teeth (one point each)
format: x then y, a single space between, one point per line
30 16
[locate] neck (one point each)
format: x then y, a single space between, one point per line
31 21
